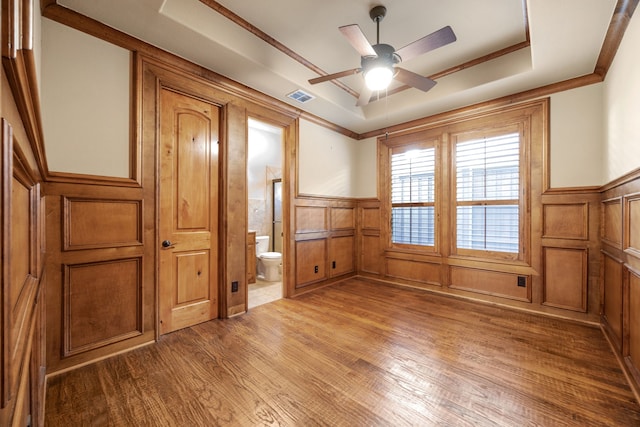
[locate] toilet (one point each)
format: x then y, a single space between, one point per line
268 263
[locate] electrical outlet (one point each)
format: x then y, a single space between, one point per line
234 286
333 264
315 269
522 281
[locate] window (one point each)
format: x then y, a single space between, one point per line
487 173
461 190
413 195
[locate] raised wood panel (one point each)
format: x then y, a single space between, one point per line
342 255
634 323
370 218
565 278
192 164
20 295
343 218
612 221
371 257
413 270
20 236
88 321
192 267
310 219
21 242
311 258
612 276
94 223
490 282
632 229
620 277
565 221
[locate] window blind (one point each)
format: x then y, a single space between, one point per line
413 197
487 192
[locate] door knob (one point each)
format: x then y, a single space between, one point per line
166 243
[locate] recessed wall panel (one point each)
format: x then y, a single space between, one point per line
632 231
20 260
343 218
488 282
634 318
92 223
310 261
311 219
612 221
342 255
370 218
413 270
371 255
89 321
613 295
566 221
565 278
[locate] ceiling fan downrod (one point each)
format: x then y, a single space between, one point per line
377 14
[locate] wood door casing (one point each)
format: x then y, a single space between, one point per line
188 211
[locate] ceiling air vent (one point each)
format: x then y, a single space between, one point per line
301 96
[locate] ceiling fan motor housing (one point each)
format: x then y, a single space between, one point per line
386 57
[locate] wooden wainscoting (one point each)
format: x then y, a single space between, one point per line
620 234
100 275
370 252
570 250
567 285
324 243
21 361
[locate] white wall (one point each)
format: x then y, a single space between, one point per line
37 43
326 162
576 143
576 137
367 168
622 106
85 95
85 100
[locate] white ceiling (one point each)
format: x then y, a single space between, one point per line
566 37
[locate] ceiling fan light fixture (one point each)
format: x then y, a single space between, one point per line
378 78
377 62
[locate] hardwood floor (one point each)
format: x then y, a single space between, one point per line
357 354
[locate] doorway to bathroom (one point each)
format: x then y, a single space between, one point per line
265 153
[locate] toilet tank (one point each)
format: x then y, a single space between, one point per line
262 244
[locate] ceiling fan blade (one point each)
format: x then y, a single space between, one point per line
414 80
428 43
356 37
365 96
335 75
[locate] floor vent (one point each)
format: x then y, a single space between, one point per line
301 96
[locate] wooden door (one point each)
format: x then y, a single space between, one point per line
188 218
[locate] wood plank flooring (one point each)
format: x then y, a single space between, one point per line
357 354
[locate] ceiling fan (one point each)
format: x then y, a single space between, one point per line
377 61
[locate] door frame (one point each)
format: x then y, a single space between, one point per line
290 136
237 104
